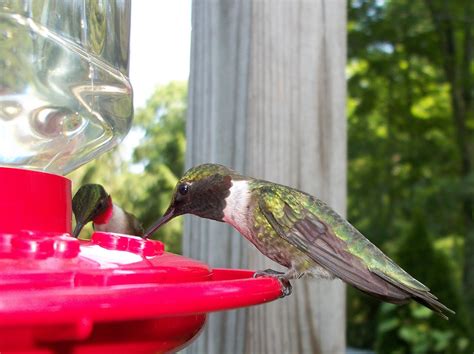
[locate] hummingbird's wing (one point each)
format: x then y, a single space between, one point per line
333 243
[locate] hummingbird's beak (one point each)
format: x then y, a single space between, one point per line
167 216
77 229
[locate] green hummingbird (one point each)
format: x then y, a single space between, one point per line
295 230
92 203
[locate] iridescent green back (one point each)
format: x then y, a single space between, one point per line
276 197
85 200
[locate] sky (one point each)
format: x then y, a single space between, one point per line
160 44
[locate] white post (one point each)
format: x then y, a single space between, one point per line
267 98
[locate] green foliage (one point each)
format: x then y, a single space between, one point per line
163 120
161 152
414 328
160 158
408 185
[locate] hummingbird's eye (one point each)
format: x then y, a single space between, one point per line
183 188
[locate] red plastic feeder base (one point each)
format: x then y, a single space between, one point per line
116 293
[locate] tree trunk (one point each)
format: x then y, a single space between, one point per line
267 98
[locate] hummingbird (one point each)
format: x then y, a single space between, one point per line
92 203
296 230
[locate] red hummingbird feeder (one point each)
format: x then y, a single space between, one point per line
65 100
112 293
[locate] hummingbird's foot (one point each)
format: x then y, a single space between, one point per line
287 288
282 277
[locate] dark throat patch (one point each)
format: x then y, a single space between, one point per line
208 196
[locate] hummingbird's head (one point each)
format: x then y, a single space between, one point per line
202 191
90 203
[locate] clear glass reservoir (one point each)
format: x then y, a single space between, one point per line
65 96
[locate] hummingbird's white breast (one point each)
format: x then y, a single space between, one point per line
237 207
117 223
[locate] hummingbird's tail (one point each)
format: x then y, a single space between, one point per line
422 296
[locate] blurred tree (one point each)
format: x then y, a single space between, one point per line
453 22
159 158
161 152
411 136
412 327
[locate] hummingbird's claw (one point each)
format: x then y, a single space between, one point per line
285 283
287 288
